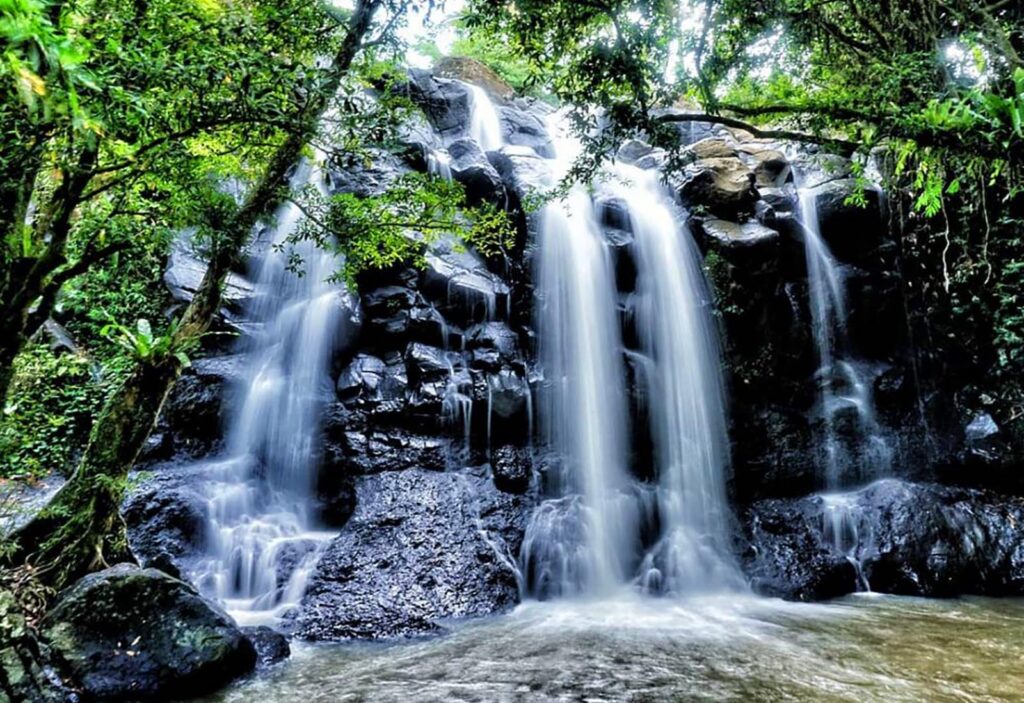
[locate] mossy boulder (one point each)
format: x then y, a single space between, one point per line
131 634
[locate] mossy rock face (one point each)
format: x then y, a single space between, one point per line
138 634
27 669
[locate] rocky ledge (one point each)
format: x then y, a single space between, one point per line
917 539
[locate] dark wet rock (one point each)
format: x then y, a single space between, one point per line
472 71
512 468
193 412
722 185
525 129
166 518
460 286
417 140
271 646
507 395
446 102
852 231
471 168
918 539
492 345
793 563
29 672
641 155
335 496
524 172
184 274
130 634
426 363
361 378
423 547
774 452
362 176
372 451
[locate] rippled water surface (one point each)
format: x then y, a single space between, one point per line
865 648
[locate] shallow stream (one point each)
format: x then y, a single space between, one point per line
726 648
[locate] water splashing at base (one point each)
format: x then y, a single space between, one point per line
263 525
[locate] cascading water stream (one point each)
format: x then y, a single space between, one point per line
686 396
484 124
263 527
585 539
843 391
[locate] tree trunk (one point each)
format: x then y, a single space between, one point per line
81 529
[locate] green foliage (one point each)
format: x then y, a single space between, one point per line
501 59
397 226
49 413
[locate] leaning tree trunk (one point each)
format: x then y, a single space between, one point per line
81 530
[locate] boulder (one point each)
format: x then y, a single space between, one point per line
471 168
770 166
523 171
525 129
919 539
793 563
722 185
472 71
711 148
166 518
853 232
271 646
733 239
131 634
423 547
444 101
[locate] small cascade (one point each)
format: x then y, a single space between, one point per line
263 525
853 446
845 393
843 529
685 393
484 123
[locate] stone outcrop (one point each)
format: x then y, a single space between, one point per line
905 538
422 547
130 634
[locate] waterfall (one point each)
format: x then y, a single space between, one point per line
263 527
686 392
484 124
584 539
587 538
862 453
843 389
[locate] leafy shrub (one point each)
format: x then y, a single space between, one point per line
49 413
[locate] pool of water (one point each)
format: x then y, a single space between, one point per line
863 648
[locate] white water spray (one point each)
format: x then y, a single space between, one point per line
263 528
687 396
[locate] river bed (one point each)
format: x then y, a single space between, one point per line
722 648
